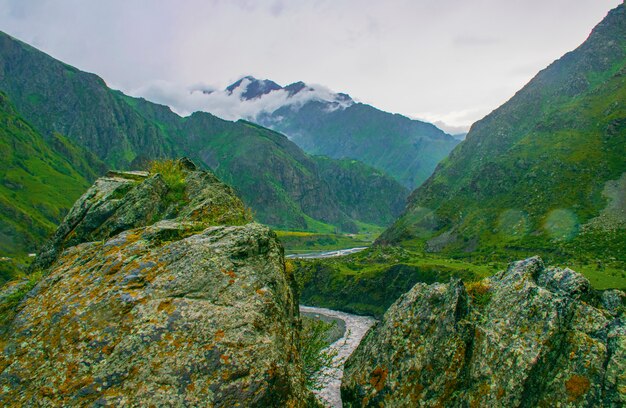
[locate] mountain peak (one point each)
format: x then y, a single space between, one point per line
296 87
252 87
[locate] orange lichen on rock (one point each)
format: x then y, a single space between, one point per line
378 378
576 387
166 306
219 335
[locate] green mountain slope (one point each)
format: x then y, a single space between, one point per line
285 186
56 97
372 197
38 182
545 172
276 178
406 149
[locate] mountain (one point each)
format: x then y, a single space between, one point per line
254 89
40 179
372 196
545 172
281 183
334 125
284 186
55 97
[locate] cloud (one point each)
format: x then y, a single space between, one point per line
474 41
454 122
185 100
451 130
441 57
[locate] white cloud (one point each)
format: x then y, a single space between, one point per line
455 121
185 100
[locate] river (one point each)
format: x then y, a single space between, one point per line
326 254
356 327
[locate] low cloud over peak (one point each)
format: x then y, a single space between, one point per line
246 98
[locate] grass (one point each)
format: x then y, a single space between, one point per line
325 237
369 282
601 277
378 259
300 241
174 177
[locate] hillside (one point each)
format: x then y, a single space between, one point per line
275 178
284 185
545 172
40 179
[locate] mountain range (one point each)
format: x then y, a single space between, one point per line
159 288
332 124
89 127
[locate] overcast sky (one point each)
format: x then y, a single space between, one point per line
450 61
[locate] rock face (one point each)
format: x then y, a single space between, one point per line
175 313
529 336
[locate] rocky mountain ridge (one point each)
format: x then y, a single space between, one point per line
332 124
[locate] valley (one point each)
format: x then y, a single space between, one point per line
307 249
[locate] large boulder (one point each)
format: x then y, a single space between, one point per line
129 199
176 313
529 336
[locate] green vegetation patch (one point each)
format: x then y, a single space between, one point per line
174 176
11 296
368 282
302 242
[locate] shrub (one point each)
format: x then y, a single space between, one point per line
480 292
314 351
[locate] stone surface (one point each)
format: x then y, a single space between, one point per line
529 336
148 318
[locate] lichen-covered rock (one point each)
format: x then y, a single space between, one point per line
124 200
160 315
146 302
529 336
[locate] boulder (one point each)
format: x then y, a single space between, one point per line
124 200
529 336
169 311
